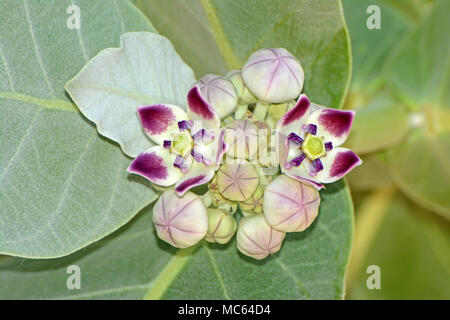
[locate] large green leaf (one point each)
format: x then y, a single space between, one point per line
117 81
372 47
62 186
420 75
217 35
133 264
411 249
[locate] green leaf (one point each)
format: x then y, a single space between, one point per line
134 264
371 47
381 124
373 175
62 186
411 249
420 75
111 87
216 35
419 167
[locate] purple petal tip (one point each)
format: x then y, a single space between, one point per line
155 119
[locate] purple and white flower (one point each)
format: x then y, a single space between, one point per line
190 144
310 140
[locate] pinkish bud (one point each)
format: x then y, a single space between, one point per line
273 75
220 93
253 204
256 239
221 226
290 205
237 181
241 137
180 221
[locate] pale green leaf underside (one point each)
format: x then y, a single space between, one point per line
145 70
62 186
134 264
214 36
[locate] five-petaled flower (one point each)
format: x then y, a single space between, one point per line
310 139
190 144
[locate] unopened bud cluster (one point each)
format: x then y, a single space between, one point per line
247 196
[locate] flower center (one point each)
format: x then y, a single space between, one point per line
313 147
182 143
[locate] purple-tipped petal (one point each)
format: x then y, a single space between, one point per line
313 183
160 120
328 146
198 174
337 163
294 138
334 125
185 125
155 164
310 128
199 110
343 163
293 120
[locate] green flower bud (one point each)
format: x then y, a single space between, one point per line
220 93
221 226
237 181
180 221
290 205
245 96
253 204
273 75
256 239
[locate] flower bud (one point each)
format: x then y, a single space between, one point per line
273 75
217 199
237 181
290 205
221 226
253 204
241 137
244 95
180 221
220 94
256 239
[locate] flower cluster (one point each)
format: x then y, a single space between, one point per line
224 138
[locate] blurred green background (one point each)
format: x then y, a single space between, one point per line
400 88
